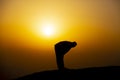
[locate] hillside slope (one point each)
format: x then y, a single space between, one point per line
97 73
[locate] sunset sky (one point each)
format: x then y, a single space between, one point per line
30 29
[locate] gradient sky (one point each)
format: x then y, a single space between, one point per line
93 24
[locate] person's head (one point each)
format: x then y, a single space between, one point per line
74 44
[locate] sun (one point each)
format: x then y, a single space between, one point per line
48 29
45 29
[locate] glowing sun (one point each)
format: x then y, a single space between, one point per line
48 29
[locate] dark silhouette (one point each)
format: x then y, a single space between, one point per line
94 73
61 48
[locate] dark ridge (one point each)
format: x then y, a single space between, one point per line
97 73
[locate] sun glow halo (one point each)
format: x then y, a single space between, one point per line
48 29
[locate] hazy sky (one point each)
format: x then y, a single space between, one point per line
25 48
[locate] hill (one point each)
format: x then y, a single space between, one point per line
97 73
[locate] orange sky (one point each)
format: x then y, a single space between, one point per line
94 25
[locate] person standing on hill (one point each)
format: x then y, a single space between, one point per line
61 48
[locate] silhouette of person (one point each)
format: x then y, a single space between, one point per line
61 48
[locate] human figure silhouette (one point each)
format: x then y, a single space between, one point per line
61 48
